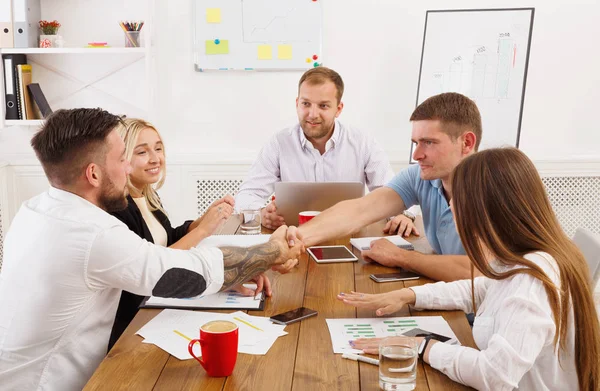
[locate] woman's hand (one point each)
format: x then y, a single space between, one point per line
215 216
384 303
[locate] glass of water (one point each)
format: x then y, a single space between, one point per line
250 222
398 363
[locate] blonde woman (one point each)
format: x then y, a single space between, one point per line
536 325
145 215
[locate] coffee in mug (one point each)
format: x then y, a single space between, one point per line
219 326
219 345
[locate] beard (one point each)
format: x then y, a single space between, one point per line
111 199
316 132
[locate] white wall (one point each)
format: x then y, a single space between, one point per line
222 119
376 47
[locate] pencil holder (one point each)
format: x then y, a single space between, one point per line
132 39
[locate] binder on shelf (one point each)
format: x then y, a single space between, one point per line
6 24
40 100
26 15
26 106
10 83
19 93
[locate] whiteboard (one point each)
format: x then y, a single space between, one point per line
257 34
484 55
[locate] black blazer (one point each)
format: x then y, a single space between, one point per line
132 217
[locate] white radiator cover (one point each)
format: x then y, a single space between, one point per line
575 199
210 190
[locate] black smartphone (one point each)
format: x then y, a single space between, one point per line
423 333
293 316
398 276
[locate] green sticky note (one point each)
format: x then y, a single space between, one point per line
221 48
213 15
265 52
284 52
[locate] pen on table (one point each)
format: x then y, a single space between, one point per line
357 357
182 335
247 323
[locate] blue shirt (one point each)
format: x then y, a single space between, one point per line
437 216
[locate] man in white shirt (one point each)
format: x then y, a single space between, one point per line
317 149
66 259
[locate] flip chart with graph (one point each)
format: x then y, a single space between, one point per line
482 54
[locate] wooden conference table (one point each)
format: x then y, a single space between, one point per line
301 360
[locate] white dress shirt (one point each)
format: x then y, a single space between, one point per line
350 156
65 264
514 330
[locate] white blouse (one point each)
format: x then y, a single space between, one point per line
514 330
159 235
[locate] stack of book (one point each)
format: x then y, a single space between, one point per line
24 99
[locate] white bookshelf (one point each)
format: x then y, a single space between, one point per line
116 78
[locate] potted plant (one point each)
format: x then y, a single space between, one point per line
48 34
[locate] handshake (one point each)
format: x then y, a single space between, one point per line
288 242
280 254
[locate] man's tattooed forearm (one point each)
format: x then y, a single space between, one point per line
241 264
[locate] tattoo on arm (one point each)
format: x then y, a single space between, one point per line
241 263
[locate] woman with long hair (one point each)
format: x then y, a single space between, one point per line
145 215
536 325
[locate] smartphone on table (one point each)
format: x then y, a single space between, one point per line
293 316
397 276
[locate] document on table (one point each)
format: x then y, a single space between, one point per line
172 330
365 243
221 300
344 330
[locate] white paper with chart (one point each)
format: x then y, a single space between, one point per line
344 330
222 300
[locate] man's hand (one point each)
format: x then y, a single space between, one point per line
289 254
294 236
386 253
262 283
402 225
270 218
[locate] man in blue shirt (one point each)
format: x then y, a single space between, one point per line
446 128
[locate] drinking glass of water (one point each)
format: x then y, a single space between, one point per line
398 363
250 222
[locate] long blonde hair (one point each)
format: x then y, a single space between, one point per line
129 131
500 204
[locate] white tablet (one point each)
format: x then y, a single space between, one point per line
330 254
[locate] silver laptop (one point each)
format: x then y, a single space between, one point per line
295 197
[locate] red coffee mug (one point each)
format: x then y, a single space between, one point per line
219 345
306 216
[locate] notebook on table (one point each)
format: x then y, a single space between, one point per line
365 243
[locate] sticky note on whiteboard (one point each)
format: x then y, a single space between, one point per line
213 15
213 48
284 52
265 52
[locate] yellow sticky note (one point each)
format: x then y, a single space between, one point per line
284 52
265 52
212 47
213 15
